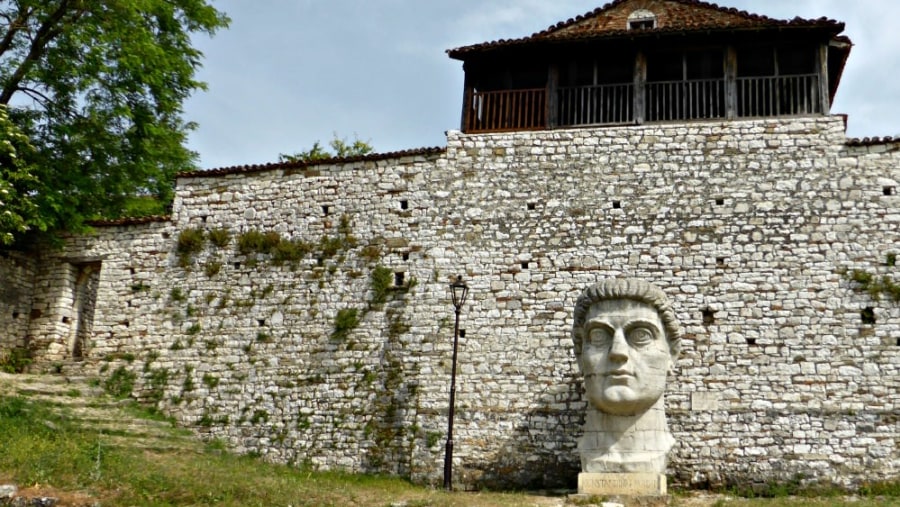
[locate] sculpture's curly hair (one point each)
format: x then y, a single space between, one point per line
634 290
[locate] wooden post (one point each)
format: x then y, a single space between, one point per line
824 98
551 113
730 83
640 80
466 102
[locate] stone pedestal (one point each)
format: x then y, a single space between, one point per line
637 484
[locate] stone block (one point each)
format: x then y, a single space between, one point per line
634 484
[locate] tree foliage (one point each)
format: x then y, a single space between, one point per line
97 88
18 212
340 148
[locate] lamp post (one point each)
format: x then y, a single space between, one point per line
459 290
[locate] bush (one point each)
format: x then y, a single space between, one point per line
219 237
380 282
258 242
345 321
290 251
120 384
190 243
14 361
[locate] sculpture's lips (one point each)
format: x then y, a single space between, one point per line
619 374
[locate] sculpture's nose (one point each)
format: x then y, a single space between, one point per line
618 350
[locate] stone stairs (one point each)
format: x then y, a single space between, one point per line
83 400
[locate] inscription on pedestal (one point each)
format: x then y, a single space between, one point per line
622 484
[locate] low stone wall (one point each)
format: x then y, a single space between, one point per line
752 228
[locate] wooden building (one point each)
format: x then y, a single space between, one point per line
649 61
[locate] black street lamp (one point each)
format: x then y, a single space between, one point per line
459 290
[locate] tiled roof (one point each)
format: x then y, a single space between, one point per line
305 165
871 141
673 16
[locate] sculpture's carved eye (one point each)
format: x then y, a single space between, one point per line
640 336
600 337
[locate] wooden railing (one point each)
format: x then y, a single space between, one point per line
497 111
778 96
595 105
528 109
684 100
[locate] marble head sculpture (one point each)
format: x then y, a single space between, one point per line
626 340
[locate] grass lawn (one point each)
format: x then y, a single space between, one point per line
49 453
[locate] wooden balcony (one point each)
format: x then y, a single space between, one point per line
505 110
621 104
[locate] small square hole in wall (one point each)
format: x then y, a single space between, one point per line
261 322
525 265
709 317
868 315
131 271
720 202
404 204
398 279
405 256
326 210
720 262
890 190
15 315
237 265
898 342
65 320
462 333
127 324
166 235
203 219
751 341
531 206
617 204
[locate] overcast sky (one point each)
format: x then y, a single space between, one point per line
290 72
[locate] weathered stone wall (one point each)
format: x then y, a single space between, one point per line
17 273
752 228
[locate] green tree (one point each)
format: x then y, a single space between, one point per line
340 148
18 212
97 87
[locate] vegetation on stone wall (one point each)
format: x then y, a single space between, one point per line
878 286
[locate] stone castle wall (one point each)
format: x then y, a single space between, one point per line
753 229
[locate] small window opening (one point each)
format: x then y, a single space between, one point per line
203 219
641 19
326 210
898 342
890 190
405 256
617 204
868 315
751 341
166 235
720 202
65 320
525 265
720 262
709 317
127 324
131 271
15 315
399 278
404 204
262 322
531 206
462 333
237 265
35 314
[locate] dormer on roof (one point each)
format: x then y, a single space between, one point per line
647 61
